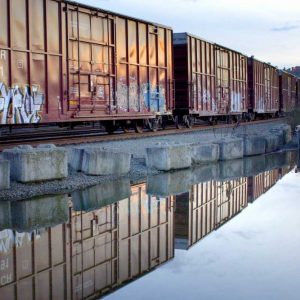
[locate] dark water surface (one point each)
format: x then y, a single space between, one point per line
224 231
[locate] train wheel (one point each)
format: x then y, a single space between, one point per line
153 124
178 122
139 126
189 121
126 128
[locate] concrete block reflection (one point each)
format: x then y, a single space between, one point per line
101 195
39 213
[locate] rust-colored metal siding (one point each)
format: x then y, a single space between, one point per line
263 87
210 79
30 61
206 207
288 91
62 61
34 264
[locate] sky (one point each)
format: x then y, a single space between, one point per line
267 29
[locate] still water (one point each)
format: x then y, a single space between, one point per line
224 231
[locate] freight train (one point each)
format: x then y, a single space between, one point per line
67 63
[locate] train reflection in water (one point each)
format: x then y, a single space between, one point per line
99 239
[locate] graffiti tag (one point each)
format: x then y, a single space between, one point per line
20 106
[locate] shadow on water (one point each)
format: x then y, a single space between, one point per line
96 240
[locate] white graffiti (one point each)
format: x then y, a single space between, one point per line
10 238
20 106
236 102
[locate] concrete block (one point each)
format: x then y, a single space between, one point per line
231 169
204 173
231 148
4 175
254 165
41 212
170 183
277 160
105 162
254 145
46 146
101 195
5 215
272 143
35 165
169 157
205 153
279 134
287 134
76 158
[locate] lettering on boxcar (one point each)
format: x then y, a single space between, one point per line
20 105
2 55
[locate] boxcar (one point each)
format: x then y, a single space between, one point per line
61 62
211 80
288 92
263 80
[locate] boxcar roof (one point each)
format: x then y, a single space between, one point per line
266 63
114 13
208 41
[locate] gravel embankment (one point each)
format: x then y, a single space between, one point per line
137 147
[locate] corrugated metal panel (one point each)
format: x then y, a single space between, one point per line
210 79
288 91
63 61
30 61
263 87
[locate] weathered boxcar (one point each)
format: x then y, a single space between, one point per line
263 80
288 92
62 62
211 80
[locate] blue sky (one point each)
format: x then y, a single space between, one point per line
268 29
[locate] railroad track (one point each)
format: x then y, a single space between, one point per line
92 135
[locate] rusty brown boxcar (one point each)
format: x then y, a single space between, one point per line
263 80
206 207
288 91
211 80
61 62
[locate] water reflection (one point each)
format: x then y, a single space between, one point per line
94 241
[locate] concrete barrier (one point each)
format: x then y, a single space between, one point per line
231 169
231 148
254 165
205 153
254 145
272 143
76 158
287 134
204 173
4 175
101 195
35 165
40 212
280 136
170 183
169 157
105 162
